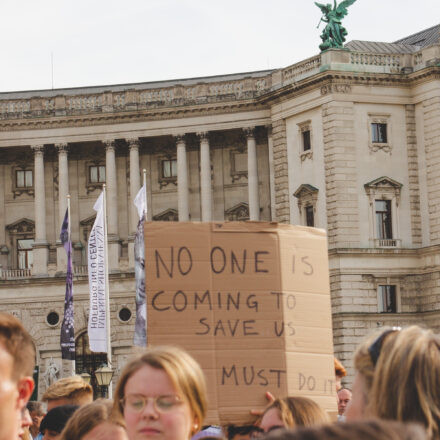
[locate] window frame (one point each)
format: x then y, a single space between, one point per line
19 190
303 128
162 180
380 119
307 196
380 297
91 186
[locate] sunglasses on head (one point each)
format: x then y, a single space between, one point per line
375 348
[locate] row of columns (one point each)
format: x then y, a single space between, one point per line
41 245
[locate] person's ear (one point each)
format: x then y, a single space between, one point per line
25 387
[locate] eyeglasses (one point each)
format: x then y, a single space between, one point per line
375 348
137 402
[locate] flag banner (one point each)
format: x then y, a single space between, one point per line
97 328
140 332
67 339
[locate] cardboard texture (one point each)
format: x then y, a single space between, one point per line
251 302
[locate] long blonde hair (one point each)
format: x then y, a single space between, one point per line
404 384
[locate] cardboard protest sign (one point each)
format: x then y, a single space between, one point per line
251 302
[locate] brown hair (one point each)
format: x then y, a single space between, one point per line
18 343
299 411
363 430
88 417
404 384
184 372
72 388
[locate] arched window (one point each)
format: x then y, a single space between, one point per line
87 361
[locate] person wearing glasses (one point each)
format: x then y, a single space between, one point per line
398 378
161 395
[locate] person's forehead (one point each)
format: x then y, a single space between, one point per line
344 394
6 363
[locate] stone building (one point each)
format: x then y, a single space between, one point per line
347 140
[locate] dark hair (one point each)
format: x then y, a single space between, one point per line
18 343
57 417
234 430
362 430
35 407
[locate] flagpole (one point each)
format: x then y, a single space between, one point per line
145 186
69 232
107 293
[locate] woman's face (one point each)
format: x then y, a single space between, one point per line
173 423
356 407
271 420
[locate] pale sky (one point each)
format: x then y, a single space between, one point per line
99 42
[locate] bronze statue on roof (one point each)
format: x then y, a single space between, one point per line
333 35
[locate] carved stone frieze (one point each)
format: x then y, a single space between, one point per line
335 88
169 215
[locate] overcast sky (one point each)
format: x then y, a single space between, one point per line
97 42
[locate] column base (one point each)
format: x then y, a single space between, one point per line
40 256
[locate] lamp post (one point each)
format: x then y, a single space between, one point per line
104 376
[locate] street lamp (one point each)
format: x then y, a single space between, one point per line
104 376
86 377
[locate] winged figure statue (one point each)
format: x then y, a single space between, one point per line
333 35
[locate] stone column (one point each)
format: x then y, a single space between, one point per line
205 178
182 180
135 184
40 251
254 197
63 191
271 173
112 206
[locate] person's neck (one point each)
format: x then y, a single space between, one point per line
34 431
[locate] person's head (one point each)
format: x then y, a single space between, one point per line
94 421
344 397
292 412
9 413
68 391
55 420
340 372
397 378
361 430
243 432
161 394
36 412
18 343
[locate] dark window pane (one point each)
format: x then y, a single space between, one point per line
384 228
306 140
379 133
310 217
388 298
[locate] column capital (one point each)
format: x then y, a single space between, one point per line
109 145
180 138
38 149
133 143
203 136
62 147
249 132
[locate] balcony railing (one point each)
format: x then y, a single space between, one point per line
14 274
387 243
80 270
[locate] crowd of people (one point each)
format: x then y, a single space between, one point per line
162 394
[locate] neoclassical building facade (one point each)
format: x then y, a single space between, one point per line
348 141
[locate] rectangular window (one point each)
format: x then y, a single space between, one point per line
23 179
379 133
97 174
310 216
387 299
24 253
307 144
169 168
384 228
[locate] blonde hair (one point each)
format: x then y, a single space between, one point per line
404 384
88 417
299 411
184 372
73 388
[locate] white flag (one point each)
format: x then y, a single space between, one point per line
140 326
97 279
140 201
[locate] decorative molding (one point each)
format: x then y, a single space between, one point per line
307 195
335 88
109 145
249 132
62 148
203 136
38 150
306 155
134 143
383 187
180 139
169 215
375 118
239 212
